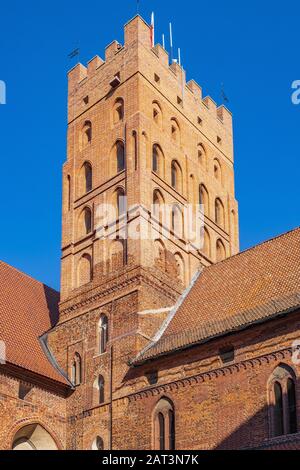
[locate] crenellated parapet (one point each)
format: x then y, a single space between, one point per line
124 61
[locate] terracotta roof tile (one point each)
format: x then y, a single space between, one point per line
28 309
252 286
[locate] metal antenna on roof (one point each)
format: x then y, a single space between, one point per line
74 53
179 56
152 30
163 41
223 95
171 42
137 6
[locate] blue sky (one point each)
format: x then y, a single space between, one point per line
249 46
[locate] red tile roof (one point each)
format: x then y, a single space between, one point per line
28 309
286 442
252 286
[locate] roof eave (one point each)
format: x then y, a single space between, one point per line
137 363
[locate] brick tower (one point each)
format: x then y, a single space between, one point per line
135 129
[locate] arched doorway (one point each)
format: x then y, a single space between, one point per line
33 437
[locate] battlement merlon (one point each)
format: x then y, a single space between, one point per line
138 32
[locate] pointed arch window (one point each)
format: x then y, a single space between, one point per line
121 202
282 401
220 251
278 410
157 160
76 370
103 334
180 267
118 254
101 389
118 111
86 134
87 176
157 114
84 270
202 155
162 438
171 430
158 206
160 254
219 213
204 199
176 176
175 130
164 425
292 411
86 221
206 243
120 147
177 222
217 170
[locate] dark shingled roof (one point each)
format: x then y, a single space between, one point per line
253 286
28 309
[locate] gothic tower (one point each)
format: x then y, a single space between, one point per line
145 144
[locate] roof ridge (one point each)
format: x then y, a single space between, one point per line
265 242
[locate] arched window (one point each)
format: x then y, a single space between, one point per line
217 170
164 425
120 148
202 159
162 437
157 114
176 176
98 443
278 410
86 134
158 206
171 430
175 130
103 334
219 213
292 411
84 270
101 389
282 401
158 160
77 370
160 255
204 199
220 251
86 178
119 202
86 221
118 254
118 110
118 160
206 243
180 267
177 221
